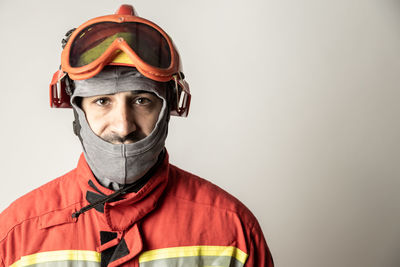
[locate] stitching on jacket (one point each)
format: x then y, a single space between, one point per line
34 217
237 212
241 208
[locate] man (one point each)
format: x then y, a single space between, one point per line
125 204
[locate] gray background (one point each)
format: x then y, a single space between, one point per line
295 111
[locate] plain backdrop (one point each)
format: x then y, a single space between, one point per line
294 111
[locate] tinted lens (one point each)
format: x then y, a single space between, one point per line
147 42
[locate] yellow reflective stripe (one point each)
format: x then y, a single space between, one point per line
176 252
59 255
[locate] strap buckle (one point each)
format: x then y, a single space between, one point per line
183 96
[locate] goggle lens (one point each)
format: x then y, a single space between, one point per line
148 43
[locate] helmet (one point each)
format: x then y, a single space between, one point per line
122 39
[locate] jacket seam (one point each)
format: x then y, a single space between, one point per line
250 222
34 217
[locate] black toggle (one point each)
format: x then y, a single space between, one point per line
114 253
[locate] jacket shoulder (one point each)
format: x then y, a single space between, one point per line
189 187
54 195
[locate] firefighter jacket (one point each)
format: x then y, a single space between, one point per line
175 219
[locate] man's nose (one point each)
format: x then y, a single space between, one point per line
122 121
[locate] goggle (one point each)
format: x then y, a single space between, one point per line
120 39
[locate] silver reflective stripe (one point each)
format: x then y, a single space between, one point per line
198 261
81 258
205 256
66 264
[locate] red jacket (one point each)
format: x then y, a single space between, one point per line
176 219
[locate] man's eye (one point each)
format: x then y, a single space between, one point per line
102 101
142 101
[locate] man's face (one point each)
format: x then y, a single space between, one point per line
124 117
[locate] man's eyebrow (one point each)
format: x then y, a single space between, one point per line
137 92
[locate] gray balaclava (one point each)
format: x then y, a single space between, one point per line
115 165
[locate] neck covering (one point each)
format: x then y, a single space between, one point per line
116 165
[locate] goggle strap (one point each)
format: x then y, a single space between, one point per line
64 41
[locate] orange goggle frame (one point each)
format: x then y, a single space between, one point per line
119 44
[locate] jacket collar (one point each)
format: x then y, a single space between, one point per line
131 207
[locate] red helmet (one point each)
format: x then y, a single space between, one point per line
121 39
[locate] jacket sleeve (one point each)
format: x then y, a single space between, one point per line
259 254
